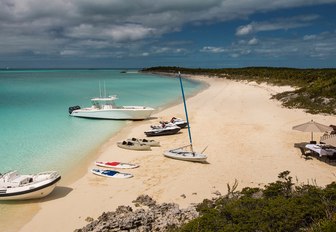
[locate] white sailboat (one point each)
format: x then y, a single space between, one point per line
182 153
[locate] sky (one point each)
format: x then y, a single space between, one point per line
187 33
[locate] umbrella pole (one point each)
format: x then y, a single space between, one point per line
311 136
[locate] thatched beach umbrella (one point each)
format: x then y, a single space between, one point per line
312 127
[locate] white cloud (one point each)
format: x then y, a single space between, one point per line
128 32
235 55
278 24
309 37
210 49
116 33
319 46
245 30
162 50
253 41
64 26
69 52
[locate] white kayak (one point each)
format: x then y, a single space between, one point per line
133 146
115 164
181 154
149 142
111 173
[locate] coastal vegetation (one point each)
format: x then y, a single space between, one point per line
314 89
279 206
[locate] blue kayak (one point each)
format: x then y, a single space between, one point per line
111 173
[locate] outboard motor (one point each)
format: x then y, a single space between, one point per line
72 108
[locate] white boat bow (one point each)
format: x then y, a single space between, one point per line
14 186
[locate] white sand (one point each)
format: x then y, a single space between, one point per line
249 138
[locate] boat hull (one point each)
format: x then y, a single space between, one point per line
181 124
185 156
162 132
126 113
21 193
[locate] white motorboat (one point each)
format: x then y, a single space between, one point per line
14 186
181 153
105 108
163 129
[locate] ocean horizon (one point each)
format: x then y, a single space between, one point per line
37 132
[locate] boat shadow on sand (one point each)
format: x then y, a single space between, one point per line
195 162
150 118
57 193
103 119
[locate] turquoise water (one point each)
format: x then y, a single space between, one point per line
37 133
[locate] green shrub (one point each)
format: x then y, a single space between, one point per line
281 206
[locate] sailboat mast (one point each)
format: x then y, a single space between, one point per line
100 94
186 111
104 90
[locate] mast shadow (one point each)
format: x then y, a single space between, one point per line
205 162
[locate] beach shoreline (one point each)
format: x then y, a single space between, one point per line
227 116
82 168
74 174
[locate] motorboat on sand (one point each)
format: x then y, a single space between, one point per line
163 129
15 186
105 108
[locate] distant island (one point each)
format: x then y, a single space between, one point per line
315 89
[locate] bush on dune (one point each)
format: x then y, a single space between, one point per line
280 206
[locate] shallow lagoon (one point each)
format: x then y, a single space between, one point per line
37 132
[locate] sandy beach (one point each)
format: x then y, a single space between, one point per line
249 138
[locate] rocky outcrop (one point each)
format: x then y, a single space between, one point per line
156 217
